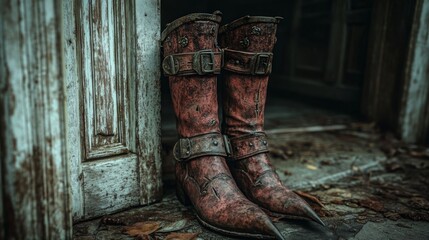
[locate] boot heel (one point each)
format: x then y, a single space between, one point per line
181 195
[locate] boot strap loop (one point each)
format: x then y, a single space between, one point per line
248 62
193 63
248 145
210 144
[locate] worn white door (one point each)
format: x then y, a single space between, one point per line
111 51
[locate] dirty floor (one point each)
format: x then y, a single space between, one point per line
363 183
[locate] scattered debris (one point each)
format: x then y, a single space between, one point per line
142 230
373 204
107 220
278 153
173 226
311 167
181 236
311 198
287 173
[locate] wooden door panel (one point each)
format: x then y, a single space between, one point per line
113 104
103 56
106 188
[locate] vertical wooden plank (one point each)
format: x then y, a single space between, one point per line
34 167
414 115
147 48
337 43
75 152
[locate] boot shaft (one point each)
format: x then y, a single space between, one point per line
248 43
250 34
192 58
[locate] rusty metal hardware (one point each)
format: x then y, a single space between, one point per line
211 144
248 62
170 65
248 145
203 62
261 64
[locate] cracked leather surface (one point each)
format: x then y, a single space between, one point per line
244 105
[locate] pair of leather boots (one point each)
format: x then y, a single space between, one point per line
214 170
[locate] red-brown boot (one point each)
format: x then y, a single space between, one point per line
192 60
248 43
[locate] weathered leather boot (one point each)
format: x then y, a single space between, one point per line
192 60
248 43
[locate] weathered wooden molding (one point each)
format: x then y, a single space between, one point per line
148 97
34 168
414 115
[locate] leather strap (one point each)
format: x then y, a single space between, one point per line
210 144
193 63
247 145
248 62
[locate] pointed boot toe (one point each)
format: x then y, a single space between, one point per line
226 210
309 213
293 206
270 229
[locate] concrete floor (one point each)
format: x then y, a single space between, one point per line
368 185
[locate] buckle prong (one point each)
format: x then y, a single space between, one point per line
203 62
260 64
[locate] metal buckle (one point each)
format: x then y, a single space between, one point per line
203 62
170 65
182 149
260 64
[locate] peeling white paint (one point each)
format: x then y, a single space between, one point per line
415 116
113 100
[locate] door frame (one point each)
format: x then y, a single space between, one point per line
34 168
396 91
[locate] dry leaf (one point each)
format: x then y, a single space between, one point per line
310 197
142 229
373 204
181 236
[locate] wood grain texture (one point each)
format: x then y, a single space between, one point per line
32 141
135 123
148 98
73 114
414 116
103 56
107 190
